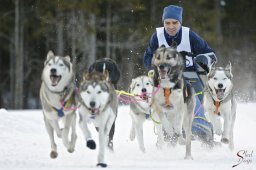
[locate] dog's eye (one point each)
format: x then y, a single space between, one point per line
98 92
225 78
137 85
215 78
49 64
147 84
88 92
61 65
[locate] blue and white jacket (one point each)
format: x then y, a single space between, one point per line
185 39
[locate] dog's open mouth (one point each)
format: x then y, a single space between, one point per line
94 110
163 74
220 93
55 79
144 96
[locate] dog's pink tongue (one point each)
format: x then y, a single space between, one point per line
55 80
162 74
220 94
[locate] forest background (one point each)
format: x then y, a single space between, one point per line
119 29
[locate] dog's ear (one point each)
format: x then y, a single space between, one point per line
229 69
67 57
132 85
105 73
50 55
156 77
86 76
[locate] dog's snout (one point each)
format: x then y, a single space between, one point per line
161 67
53 71
220 86
144 90
92 104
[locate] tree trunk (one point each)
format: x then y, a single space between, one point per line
59 25
108 30
218 23
19 57
92 35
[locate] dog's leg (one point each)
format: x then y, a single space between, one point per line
102 142
187 127
65 132
227 126
132 131
87 134
73 133
55 125
49 129
233 112
165 123
216 122
111 135
139 132
109 125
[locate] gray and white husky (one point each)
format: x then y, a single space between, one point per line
219 102
98 104
58 101
140 107
174 102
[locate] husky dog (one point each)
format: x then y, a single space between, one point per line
219 102
58 101
142 88
114 75
98 104
174 103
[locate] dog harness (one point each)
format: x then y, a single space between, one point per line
65 105
217 106
167 93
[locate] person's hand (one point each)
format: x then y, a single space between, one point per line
205 60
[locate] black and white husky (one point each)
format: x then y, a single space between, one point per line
98 104
112 68
58 101
219 102
175 102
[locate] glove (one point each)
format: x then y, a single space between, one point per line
205 60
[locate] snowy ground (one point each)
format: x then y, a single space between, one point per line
24 144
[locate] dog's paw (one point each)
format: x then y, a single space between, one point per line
188 157
224 140
103 165
143 150
59 133
53 154
71 150
91 144
132 135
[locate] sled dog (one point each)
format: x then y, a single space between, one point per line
175 102
140 107
114 76
58 101
219 102
98 104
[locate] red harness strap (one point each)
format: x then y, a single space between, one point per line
217 106
167 93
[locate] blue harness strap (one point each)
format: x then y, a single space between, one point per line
60 111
